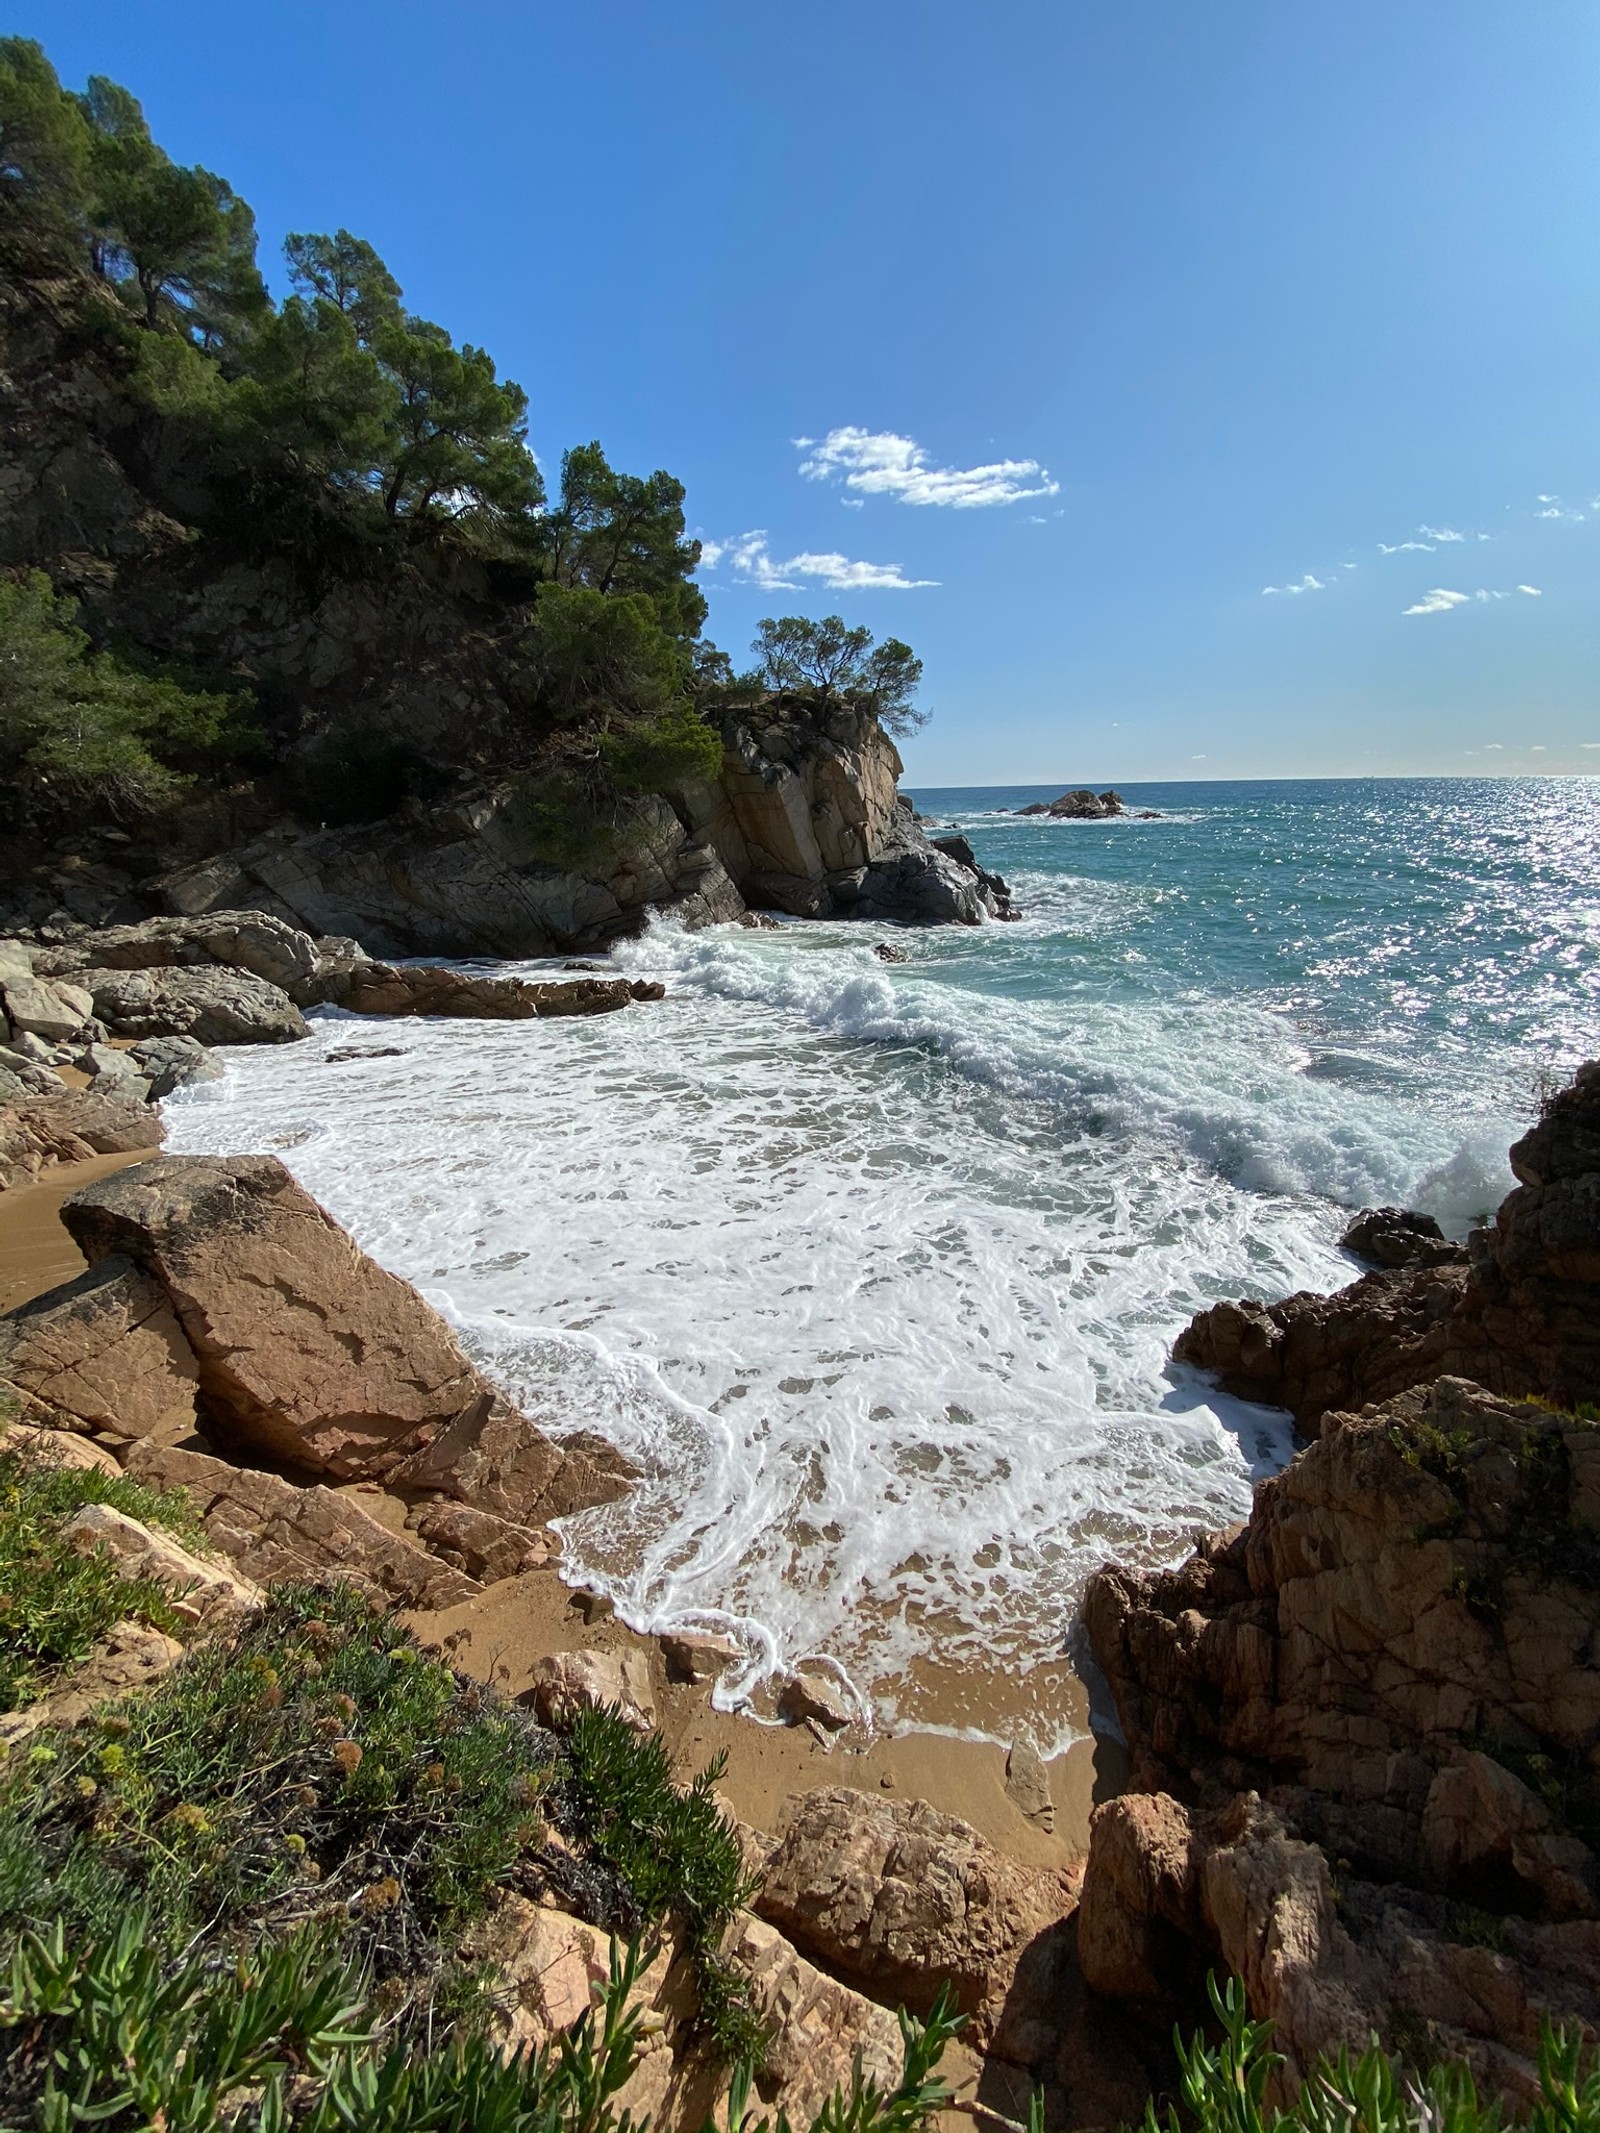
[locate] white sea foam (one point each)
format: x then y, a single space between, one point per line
873 1270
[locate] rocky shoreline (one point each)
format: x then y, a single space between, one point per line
1363 1731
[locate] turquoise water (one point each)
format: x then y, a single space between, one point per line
875 1267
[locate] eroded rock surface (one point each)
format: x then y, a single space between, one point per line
209 1002
1518 1314
1395 1666
902 1899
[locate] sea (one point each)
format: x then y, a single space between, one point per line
874 1267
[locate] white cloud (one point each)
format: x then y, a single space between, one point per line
750 558
1405 547
1491 746
879 463
1437 602
1534 592
1589 744
1307 584
1555 508
1440 533
1538 748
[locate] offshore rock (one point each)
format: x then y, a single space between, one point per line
1520 1315
380 989
1079 805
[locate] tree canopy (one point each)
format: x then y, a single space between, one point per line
338 423
828 659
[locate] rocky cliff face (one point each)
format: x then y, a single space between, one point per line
805 818
1515 1311
105 486
1364 1729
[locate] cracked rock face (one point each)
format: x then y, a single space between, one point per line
303 1348
905 1899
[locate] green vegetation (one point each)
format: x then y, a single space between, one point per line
78 725
824 659
340 437
673 1852
54 1603
237 1900
1223 2087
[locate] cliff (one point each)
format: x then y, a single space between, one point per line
407 776
1364 1728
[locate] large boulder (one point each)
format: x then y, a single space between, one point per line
906 1899
305 1349
1518 1313
212 1004
38 1132
56 1012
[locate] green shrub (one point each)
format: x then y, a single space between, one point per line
674 1851
1223 2087
55 1604
316 1760
82 727
663 753
284 2038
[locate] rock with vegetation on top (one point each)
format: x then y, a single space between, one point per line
198 1586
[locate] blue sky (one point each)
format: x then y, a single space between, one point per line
1100 320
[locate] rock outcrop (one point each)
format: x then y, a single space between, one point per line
212 1004
1393 1667
219 1294
38 1132
902 1900
1517 1313
805 818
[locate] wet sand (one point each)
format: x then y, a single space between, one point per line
501 1634
35 1251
